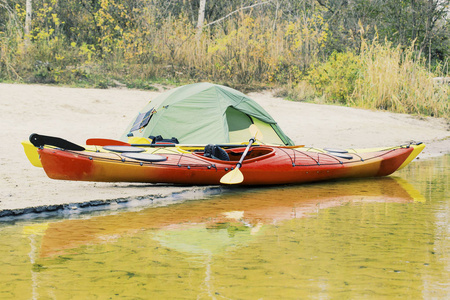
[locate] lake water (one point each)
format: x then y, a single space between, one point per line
374 239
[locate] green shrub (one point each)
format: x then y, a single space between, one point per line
336 77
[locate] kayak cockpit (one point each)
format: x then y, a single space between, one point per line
234 155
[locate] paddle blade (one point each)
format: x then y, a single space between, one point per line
41 140
233 177
255 132
236 176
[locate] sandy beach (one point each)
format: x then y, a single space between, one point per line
77 114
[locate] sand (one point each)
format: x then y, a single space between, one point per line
77 114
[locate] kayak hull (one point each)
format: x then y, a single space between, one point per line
263 165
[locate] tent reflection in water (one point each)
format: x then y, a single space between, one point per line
204 113
229 221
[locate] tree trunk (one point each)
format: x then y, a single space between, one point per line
28 12
201 17
414 23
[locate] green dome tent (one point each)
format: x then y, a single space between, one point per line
205 113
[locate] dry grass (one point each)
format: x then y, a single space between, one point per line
398 80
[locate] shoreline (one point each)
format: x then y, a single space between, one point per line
77 114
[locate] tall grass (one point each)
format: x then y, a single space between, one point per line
397 79
381 77
10 40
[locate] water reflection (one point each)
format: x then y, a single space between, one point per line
372 239
213 222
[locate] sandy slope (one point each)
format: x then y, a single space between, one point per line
77 114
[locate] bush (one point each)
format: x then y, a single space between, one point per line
336 78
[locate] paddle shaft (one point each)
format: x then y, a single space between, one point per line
188 145
239 164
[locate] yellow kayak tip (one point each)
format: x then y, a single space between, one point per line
418 147
31 153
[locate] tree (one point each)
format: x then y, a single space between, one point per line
201 17
28 11
424 22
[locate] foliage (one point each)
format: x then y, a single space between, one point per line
305 47
380 77
337 76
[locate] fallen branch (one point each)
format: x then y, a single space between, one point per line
236 11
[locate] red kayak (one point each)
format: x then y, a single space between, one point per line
262 165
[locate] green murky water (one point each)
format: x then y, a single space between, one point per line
373 239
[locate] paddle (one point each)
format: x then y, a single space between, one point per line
235 176
105 142
189 145
111 142
41 140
